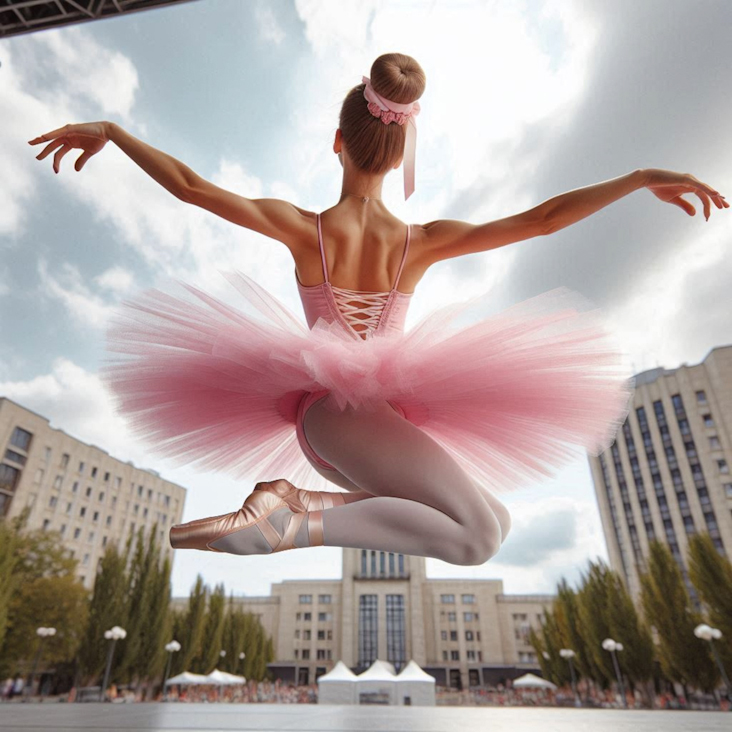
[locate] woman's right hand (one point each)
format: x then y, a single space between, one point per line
670 186
90 137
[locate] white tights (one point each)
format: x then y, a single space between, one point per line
420 501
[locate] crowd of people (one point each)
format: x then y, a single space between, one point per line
278 692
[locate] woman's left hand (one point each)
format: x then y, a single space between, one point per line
90 137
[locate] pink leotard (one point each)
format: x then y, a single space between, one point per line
383 311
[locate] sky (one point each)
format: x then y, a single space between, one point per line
524 100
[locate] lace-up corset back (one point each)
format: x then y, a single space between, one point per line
362 313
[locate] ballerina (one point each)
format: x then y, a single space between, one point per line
420 429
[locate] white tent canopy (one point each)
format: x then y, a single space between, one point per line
414 686
337 686
216 677
528 681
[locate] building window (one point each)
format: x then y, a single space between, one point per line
367 629
714 443
444 655
471 655
443 635
106 477
62 530
95 516
454 655
85 561
109 520
324 617
139 491
728 489
58 481
306 599
297 633
307 616
468 635
53 501
101 496
65 459
46 524
90 539
470 616
21 438
452 617
117 482
468 599
321 635
94 472
305 654
298 616
297 653
453 635
324 599
723 467
306 635
82 511
444 599
320 654
395 630
708 421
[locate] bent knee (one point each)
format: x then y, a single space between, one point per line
482 541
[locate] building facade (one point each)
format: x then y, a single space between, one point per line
667 475
465 632
79 490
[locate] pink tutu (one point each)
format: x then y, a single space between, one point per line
512 396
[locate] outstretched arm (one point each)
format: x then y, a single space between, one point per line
449 238
269 216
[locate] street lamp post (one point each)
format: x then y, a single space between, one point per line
114 634
171 648
610 645
707 633
41 633
242 656
569 654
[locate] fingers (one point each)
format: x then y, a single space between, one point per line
58 157
48 135
49 148
81 160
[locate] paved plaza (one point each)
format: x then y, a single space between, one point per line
331 718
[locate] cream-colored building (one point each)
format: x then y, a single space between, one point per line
78 489
463 632
667 475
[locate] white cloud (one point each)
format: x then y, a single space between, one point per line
269 27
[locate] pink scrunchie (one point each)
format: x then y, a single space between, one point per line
389 111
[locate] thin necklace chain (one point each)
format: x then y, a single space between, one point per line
363 198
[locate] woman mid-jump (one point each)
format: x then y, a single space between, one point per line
419 428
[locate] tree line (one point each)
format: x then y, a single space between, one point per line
659 645
39 588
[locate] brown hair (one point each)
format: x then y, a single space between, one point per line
373 146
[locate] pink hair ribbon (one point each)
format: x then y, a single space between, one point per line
389 111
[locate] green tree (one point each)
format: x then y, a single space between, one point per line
667 606
9 538
574 632
711 574
59 602
42 591
188 627
626 626
593 598
108 608
207 658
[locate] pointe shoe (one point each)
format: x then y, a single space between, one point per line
200 534
299 500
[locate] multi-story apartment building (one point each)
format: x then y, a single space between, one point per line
78 489
465 632
667 475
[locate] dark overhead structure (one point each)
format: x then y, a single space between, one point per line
28 16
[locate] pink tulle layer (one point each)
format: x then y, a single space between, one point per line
511 395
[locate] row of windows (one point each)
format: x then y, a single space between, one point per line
322 599
450 599
452 616
469 635
368 630
393 560
322 617
321 654
471 655
322 634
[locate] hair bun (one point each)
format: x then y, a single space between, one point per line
398 77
